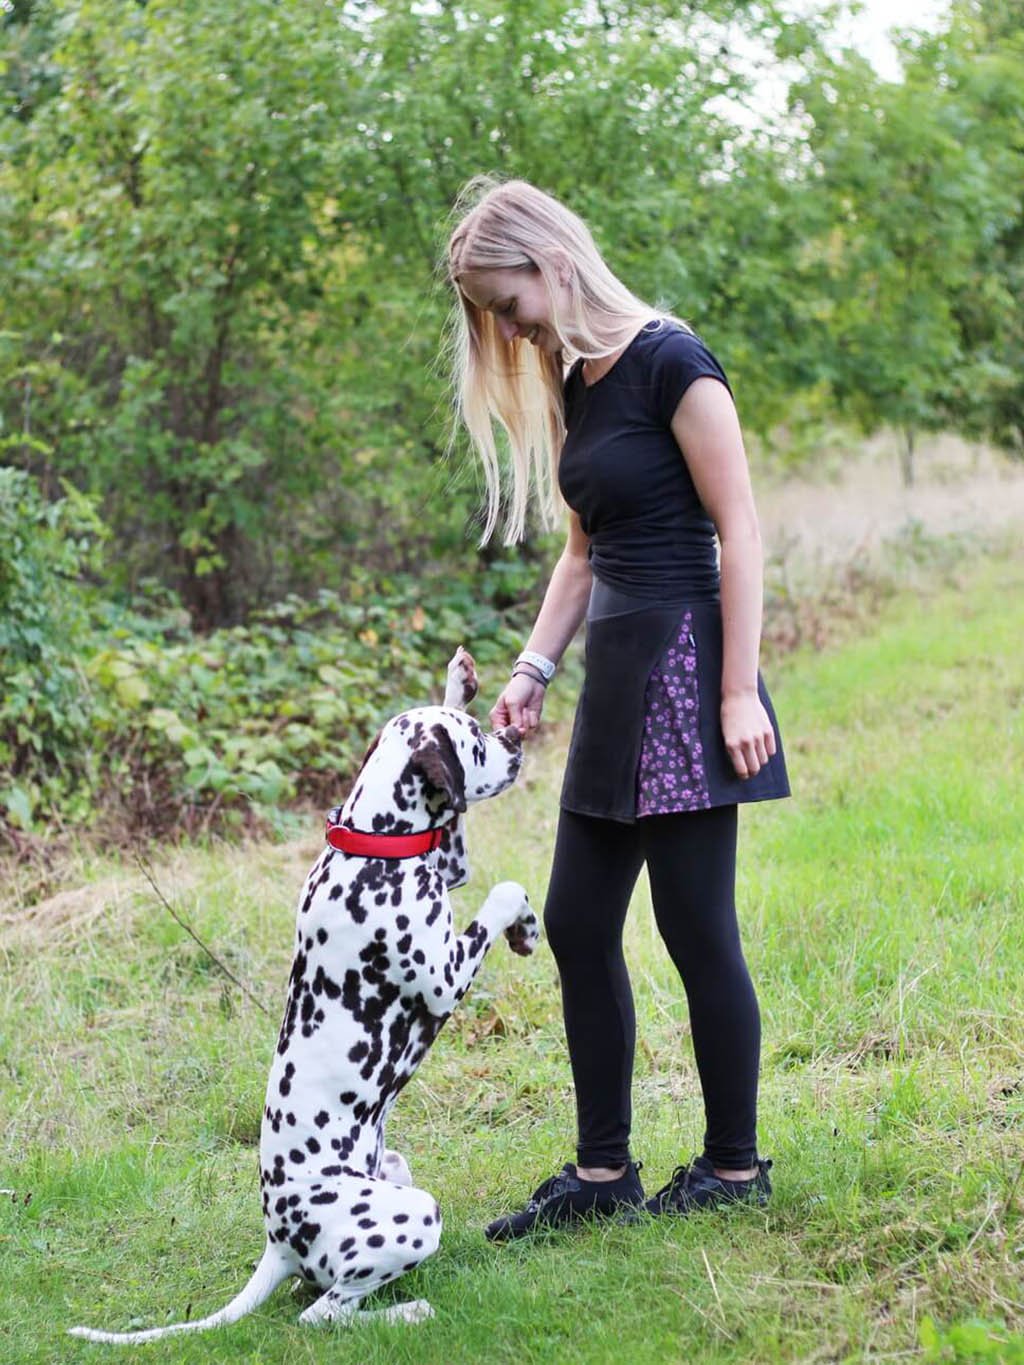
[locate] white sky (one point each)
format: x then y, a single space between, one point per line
869 31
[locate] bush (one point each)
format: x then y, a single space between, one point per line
46 629
146 725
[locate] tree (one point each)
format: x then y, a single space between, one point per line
223 231
165 254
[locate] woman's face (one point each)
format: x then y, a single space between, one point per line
520 303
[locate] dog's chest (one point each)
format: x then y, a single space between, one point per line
355 1025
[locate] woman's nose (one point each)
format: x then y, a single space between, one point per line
507 328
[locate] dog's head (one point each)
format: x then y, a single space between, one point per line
423 770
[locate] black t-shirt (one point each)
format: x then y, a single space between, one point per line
621 469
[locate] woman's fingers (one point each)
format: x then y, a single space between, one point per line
748 733
518 706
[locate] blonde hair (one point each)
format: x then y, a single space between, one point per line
512 225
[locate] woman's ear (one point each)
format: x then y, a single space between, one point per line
563 266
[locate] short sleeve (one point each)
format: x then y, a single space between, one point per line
680 359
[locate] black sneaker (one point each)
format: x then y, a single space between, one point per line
566 1198
697 1187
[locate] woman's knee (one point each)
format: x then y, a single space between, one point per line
581 932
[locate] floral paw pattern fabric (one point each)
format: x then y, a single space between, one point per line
671 775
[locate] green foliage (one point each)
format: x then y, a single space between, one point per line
222 232
45 626
972 1341
282 707
143 724
223 329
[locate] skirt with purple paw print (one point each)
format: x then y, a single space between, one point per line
647 739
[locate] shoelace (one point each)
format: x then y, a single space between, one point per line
555 1185
678 1180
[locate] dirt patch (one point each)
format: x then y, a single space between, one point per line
71 913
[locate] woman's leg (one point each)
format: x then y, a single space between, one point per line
691 861
595 868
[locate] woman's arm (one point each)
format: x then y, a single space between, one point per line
563 608
708 432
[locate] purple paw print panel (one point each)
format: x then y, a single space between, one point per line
671 774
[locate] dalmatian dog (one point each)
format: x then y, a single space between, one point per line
378 968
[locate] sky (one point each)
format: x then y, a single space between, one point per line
868 32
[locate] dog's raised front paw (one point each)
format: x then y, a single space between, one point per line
509 899
462 680
521 927
524 935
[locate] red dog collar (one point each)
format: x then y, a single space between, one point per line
381 845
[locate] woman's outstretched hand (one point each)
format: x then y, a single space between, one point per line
748 733
520 704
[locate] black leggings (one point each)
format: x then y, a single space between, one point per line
691 863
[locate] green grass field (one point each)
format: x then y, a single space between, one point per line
882 910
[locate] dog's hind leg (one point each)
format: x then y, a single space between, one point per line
397 1228
395 1168
337 1307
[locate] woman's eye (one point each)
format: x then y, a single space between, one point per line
507 309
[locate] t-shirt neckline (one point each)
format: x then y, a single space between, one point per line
644 327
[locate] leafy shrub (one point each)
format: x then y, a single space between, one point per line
46 628
280 708
154 726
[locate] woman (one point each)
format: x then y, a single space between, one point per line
673 728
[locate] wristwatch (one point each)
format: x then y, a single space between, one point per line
544 667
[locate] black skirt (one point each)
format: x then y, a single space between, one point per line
647 738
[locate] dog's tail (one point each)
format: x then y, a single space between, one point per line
272 1269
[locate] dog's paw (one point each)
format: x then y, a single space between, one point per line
394 1167
417 1310
462 680
521 927
509 900
524 935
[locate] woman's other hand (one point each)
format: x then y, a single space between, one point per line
748 733
520 704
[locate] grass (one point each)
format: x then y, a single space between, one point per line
882 913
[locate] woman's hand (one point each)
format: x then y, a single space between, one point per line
520 704
748 732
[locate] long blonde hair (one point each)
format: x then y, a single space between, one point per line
512 225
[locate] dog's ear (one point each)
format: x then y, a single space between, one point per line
441 768
366 757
